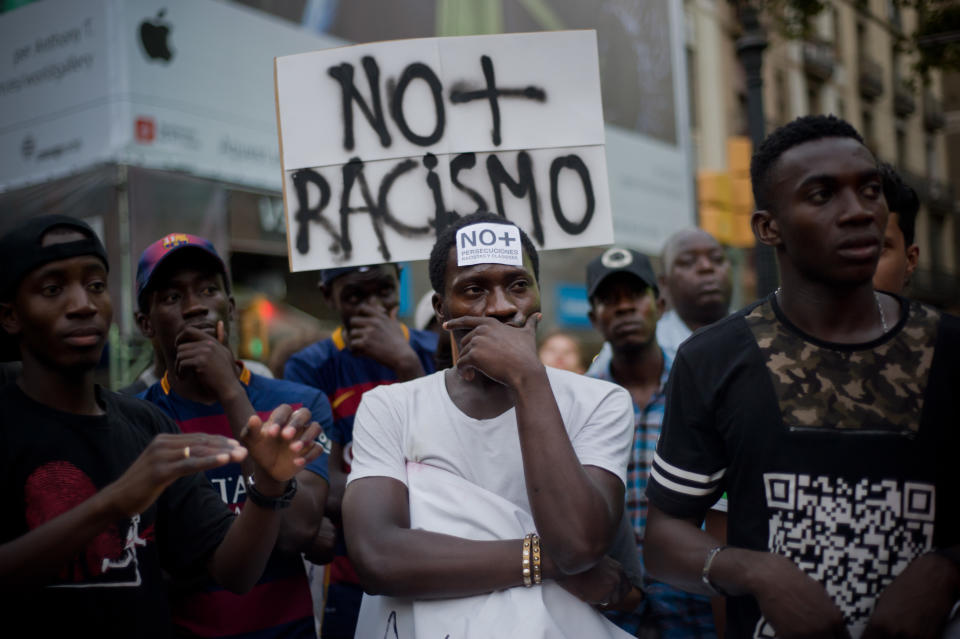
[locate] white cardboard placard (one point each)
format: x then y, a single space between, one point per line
381 142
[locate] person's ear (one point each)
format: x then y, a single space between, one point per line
437 302
913 257
327 292
661 306
664 296
143 323
765 228
231 311
9 319
592 316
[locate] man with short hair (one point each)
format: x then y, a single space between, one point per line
900 254
695 282
369 349
186 309
625 306
104 493
492 475
826 411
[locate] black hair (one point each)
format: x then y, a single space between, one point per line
195 258
801 130
447 238
902 200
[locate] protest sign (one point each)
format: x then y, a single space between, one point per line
383 144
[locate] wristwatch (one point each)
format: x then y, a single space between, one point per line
271 503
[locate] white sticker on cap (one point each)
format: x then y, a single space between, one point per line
616 258
487 243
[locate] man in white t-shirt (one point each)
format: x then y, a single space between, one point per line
461 476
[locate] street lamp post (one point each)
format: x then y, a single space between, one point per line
750 48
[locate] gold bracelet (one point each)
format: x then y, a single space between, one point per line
537 577
527 541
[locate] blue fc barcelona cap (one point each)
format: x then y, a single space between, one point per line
158 252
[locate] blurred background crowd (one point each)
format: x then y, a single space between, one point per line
145 117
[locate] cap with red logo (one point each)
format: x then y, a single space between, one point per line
158 252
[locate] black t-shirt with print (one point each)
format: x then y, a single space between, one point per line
835 455
51 461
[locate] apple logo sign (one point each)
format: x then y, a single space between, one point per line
153 38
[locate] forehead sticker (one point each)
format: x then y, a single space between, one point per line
616 258
487 243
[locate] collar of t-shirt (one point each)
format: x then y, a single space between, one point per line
340 341
244 378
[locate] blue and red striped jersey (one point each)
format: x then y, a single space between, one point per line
279 605
329 366
343 377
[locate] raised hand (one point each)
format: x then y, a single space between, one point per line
166 459
208 359
503 352
283 444
378 335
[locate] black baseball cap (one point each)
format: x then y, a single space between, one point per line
327 275
619 260
21 253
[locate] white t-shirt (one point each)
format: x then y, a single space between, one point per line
417 421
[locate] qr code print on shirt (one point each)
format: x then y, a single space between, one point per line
852 538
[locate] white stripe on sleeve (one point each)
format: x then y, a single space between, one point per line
680 488
686 474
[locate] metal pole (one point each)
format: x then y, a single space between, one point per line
750 47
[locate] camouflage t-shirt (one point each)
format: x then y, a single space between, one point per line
835 455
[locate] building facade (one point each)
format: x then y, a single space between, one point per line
851 64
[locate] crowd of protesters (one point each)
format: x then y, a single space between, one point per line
782 470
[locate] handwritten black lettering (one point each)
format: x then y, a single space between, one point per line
524 186
392 625
343 74
383 207
457 164
441 216
459 95
391 621
422 71
313 194
574 163
353 173
304 215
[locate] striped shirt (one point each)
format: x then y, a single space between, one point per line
646 424
279 605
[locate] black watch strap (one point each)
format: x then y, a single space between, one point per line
271 503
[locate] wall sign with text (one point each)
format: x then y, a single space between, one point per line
382 145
